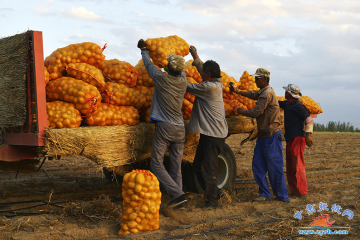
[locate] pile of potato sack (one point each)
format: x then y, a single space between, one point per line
82 86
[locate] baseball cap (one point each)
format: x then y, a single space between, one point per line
294 90
261 72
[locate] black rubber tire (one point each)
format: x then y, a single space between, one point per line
226 172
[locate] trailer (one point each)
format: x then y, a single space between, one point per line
27 136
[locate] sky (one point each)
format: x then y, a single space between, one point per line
314 44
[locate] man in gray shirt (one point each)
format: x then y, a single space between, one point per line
166 113
208 119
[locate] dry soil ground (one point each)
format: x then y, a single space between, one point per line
87 206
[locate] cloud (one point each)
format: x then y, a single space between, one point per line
42 9
82 13
4 12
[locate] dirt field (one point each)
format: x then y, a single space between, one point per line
86 206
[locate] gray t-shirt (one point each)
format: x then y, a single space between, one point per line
168 93
208 113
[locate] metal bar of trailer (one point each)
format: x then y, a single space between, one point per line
34 138
17 153
40 92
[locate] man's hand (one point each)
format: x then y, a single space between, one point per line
308 140
232 88
141 44
192 50
236 109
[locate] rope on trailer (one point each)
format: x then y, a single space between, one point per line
17 171
41 164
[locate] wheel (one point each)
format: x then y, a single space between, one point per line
226 172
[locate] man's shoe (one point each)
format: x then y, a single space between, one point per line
177 201
282 200
208 206
262 199
294 195
219 192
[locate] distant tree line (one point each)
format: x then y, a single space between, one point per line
335 127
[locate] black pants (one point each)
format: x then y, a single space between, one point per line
206 166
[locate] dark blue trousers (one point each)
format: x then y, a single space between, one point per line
268 158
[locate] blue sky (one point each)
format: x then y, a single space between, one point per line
312 43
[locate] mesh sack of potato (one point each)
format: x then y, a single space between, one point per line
188 96
149 93
247 82
247 102
120 72
232 103
141 202
121 95
192 72
107 114
62 115
226 79
186 109
86 73
229 110
86 52
145 115
47 61
144 78
280 98
312 106
161 48
84 96
47 75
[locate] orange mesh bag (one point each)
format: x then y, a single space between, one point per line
47 61
226 79
84 96
192 72
247 82
231 102
148 95
86 52
312 106
188 96
62 115
186 109
145 115
141 202
144 78
161 48
107 114
228 110
121 95
86 73
47 75
280 98
120 72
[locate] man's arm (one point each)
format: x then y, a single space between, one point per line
250 94
258 109
150 67
309 125
198 89
282 104
193 52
